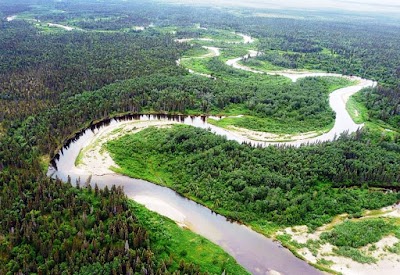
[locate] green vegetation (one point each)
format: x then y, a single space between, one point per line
195 52
324 262
260 65
381 105
269 111
91 230
356 234
286 186
355 255
268 125
172 242
53 83
395 249
357 111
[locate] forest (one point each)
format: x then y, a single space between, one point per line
287 186
54 83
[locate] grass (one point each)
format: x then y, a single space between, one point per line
195 52
231 110
324 262
355 255
199 65
395 249
270 125
181 244
335 83
264 227
79 158
357 111
261 65
145 166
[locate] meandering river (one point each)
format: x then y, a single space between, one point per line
258 254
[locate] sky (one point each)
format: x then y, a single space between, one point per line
374 6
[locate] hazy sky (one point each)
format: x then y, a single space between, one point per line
378 6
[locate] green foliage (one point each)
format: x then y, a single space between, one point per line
55 83
283 185
324 262
356 234
357 111
382 104
395 248
355 255
175 244
91 230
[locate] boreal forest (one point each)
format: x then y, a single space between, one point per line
67 66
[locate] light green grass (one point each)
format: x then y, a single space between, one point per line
198 65
269 125
185 245
195 52
355 255
357 111
261 65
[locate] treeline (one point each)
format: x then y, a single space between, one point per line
50 227
304 102
353 48
383 104
285 185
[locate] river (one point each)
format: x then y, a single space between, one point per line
258 254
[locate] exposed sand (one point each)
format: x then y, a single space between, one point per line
11 18
162 208
95 160
183 40
213 51
67 28
246 38
388 263
270 137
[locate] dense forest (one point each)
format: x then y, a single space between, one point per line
287 186
54 83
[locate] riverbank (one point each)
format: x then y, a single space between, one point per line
243 248
375 258
67 28
337 101
97 160
94 160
